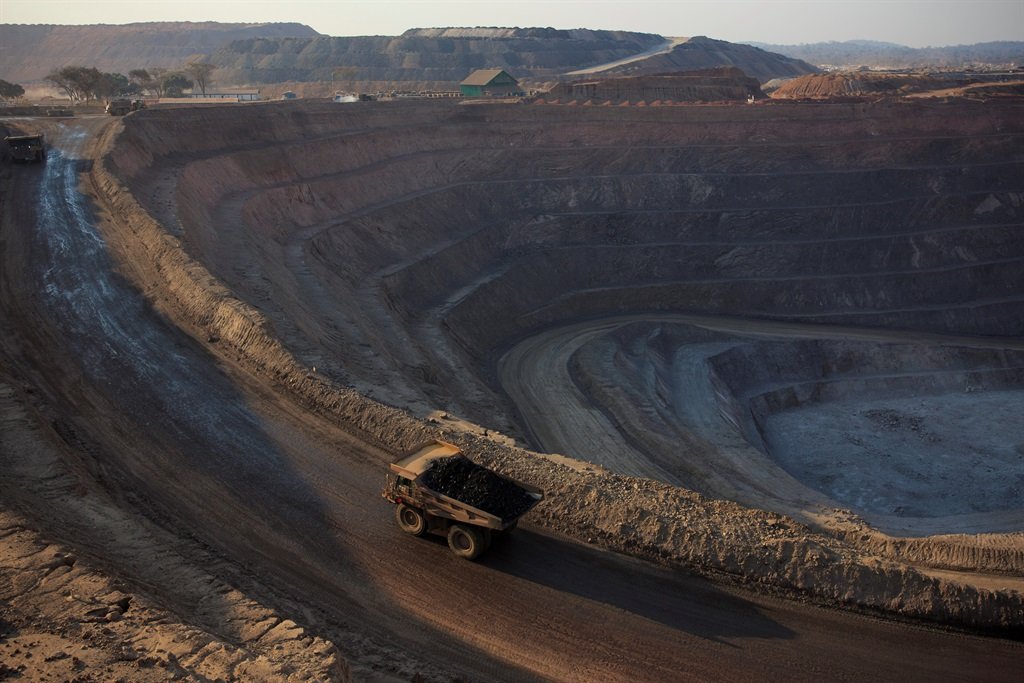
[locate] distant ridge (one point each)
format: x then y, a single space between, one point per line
441 57
879 54
30 52
426 55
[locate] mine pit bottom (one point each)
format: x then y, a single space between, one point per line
927 456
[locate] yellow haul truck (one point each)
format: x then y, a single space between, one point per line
438 490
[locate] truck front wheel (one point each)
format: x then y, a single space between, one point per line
468 541
411 520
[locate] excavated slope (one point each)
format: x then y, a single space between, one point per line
701 52
402 249
710 85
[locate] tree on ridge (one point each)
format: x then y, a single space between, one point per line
10 91
200 73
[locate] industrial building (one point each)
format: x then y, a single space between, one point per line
490 83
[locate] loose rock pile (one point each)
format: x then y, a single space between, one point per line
460 478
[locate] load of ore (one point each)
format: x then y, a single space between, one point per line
460 478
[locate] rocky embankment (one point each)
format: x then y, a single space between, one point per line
219 158
858 84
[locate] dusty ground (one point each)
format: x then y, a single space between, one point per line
204 389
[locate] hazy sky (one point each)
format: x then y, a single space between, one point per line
909 22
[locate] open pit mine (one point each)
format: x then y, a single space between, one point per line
765 362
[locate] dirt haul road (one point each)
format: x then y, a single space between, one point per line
247 498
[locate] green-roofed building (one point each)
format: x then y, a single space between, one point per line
489 83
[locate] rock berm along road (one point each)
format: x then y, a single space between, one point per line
269 504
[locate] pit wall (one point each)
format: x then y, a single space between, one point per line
405 198
464 243
773 376
675 526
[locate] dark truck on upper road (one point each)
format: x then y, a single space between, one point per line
438 490
26 147
122 105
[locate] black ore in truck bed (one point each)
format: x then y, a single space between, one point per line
460 478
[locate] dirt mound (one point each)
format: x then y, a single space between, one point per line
708 85
460 478
858 83
701 52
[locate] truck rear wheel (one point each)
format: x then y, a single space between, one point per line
468 542
411 520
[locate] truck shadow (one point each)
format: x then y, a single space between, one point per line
673 598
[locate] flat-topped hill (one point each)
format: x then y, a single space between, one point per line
32 51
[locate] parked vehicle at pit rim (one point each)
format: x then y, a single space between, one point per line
26 147
438 490
122 106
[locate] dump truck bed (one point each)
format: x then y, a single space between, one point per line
415 463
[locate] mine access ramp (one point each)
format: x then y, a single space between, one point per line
438 490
